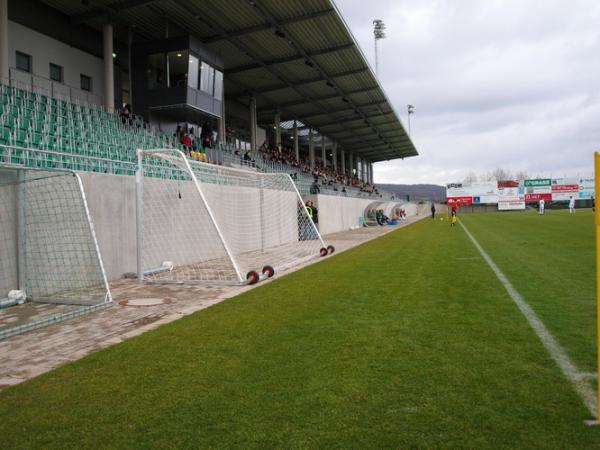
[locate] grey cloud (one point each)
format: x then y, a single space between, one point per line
495 83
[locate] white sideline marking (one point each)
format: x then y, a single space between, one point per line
557 353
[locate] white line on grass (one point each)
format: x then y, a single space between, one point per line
557 353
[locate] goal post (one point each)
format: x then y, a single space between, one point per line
47 240
204 223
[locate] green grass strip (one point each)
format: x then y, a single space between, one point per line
406 341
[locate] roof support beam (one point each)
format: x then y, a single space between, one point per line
357 119
273 62
325 97
112 10
333 111
267 26
354 118
276 87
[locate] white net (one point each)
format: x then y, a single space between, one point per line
47 243
208 223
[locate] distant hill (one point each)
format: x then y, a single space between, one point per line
416 191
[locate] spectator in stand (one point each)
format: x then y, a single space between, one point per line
314 187
186 141
194 144
178 132
125 114
206 135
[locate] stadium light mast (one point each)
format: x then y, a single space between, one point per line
379 33
410 110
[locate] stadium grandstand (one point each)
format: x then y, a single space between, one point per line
250 88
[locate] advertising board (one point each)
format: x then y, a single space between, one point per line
460 200
511 196
537 197
586 188
564 188
538 182
511 205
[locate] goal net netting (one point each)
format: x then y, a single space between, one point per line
200 222
47 243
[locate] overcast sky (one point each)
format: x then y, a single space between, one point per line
495 83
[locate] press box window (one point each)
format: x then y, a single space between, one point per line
156 74
86 83
218 85
56 73
178 68
24 62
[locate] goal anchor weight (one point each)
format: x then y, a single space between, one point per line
327 250
253 277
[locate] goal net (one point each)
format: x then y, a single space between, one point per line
47 243
200 222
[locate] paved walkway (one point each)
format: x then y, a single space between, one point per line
31 354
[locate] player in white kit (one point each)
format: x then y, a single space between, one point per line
571 205
542 203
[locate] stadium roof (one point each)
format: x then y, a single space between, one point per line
296 57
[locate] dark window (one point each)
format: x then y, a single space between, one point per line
86 83
157 67
56 73
178 68
24 62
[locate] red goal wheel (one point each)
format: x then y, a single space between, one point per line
323 251
331 249
252 277
268 271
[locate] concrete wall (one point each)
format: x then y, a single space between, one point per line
45 50
181 230
338 213
111 200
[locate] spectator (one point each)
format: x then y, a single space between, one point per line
125 114
379 218
206 135
186 141
314 188
178 132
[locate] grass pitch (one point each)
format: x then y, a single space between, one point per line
406 341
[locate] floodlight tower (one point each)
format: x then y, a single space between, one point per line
379 33
411 110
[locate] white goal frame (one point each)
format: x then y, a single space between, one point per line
192 170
